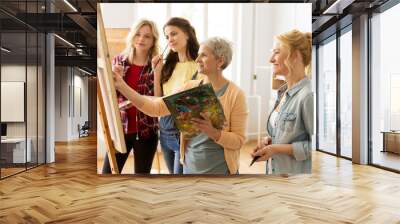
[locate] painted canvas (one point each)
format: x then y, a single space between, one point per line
190 103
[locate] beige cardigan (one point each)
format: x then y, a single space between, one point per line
232 135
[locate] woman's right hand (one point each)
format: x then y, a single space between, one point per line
118 69
157 64
117 76
264 142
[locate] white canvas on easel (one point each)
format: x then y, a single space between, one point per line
107 89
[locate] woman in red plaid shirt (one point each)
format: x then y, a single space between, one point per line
140 130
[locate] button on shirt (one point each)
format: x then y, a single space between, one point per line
294 125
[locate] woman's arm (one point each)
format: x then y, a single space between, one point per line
157 85
268 151
151 106
300 150
157 64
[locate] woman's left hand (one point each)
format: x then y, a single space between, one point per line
206 126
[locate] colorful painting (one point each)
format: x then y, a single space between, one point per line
190 103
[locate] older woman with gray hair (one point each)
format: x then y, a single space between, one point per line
213 151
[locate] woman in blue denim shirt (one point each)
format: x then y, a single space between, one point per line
290 124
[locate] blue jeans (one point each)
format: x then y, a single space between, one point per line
170 147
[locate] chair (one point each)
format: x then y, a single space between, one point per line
84 130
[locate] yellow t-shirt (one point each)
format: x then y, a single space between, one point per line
182 73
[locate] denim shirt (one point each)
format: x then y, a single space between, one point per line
295 123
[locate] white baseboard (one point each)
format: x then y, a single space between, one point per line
254 135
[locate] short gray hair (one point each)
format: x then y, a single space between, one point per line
220 48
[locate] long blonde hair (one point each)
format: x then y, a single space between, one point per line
129 50
296 40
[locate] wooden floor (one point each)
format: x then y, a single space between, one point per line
387 159
10 171
160 167
70 191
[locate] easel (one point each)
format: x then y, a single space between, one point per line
106 133
107 98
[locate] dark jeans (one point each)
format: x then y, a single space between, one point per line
143 149
170 147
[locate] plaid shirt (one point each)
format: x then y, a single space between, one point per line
146 125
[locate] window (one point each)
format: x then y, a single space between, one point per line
22 63
346 94
194 13
327 96
155 12
385 87
394 101
221 27
202 17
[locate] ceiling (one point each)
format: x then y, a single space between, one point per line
75 22
329 16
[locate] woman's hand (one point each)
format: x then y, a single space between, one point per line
118 71
157 65
265 153
206 126
266 141
125 105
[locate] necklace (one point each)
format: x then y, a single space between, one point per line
140 76
281 102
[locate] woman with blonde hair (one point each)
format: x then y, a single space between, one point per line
140 130
213 151
290 124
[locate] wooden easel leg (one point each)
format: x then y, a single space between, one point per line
158 158
106 132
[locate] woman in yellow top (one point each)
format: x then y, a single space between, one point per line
170 76
213 151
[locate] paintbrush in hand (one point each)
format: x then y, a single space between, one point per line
162 55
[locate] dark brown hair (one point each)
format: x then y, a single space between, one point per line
192 47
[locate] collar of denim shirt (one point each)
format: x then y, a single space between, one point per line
298 86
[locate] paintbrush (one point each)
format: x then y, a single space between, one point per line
162 55
254 159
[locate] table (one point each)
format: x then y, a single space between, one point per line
13 150
391 141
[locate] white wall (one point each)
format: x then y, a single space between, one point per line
61 107
50 96
270 20
110 12
255 27
68 81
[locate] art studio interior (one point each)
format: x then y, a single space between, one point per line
52 142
